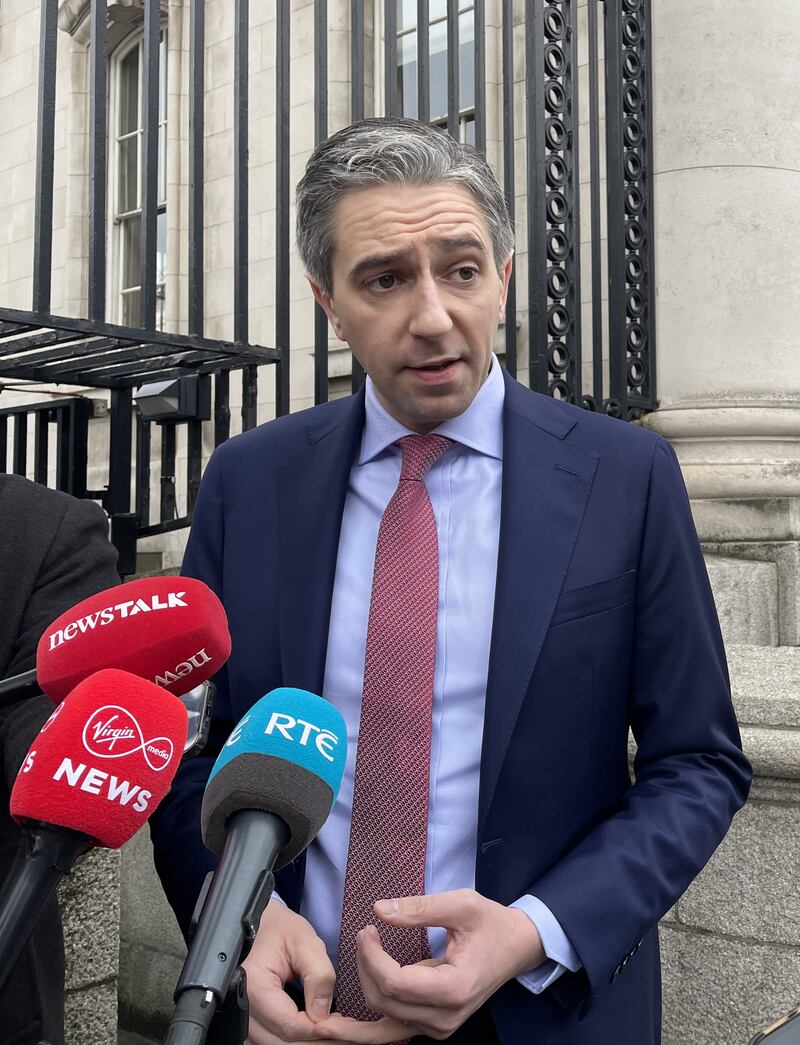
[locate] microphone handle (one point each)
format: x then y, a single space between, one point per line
241 886
18 687
49 853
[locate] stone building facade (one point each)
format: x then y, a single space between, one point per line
726 178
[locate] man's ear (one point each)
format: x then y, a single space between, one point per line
505 277
327 304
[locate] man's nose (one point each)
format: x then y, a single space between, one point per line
429 317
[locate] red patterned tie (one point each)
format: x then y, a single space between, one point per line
386 855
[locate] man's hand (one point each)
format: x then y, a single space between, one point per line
487 944
286 946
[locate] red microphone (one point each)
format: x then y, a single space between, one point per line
170 630
97 770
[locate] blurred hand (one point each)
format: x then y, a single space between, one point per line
286 946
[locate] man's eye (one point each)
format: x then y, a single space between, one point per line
467 272
378 281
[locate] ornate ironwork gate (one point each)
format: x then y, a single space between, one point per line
600 356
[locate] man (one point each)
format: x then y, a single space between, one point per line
492 587
54 551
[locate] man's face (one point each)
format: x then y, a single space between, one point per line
417 296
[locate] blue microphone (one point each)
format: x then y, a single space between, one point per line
268 794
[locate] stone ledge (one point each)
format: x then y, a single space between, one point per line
748 888
720 991
766 684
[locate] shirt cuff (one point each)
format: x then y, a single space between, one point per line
561 956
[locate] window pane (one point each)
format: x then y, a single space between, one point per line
128 174
438 67
468 130
162 164
407 75
131 244
466 60
162 80
130 309
161 247
437 9
406 13
129 92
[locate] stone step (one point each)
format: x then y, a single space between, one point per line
746 594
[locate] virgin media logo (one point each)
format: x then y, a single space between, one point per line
113 732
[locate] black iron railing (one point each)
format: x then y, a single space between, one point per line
602 359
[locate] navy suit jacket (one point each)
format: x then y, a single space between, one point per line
603 620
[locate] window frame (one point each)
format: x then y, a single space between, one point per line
116 218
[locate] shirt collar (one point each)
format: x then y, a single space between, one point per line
480 427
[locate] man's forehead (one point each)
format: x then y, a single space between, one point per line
398 217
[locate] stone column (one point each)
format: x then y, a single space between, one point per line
726 185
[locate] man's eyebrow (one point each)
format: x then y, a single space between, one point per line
445 243
377 261
465 242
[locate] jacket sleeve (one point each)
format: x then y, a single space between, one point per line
690 773
181 859
77 562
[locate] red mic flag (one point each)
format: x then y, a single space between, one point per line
104 759
170 630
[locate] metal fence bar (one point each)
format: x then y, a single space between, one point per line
594 190
149 161
167 508
222 407
650 391
479 36
80 412
423 62
356 113
573 217
508 176
539 240
197 66
320 134
616 404
45 155
3 443
20 464
97 161
282 199
143 433
194 462
453 83
390 57
118 498
40 447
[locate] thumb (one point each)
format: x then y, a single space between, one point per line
447 910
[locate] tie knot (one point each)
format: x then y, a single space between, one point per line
420 452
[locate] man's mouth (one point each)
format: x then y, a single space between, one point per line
433 367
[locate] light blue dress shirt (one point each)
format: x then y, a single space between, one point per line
464 487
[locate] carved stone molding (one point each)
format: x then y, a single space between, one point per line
123 16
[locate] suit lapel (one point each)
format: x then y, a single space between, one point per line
312 487
546 485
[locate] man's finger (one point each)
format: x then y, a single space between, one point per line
453 910
353 1032
394 986
311 963
275 1019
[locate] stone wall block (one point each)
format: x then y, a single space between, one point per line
90 1016
746 595
749 886
89 900
720 991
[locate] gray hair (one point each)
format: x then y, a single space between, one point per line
389 150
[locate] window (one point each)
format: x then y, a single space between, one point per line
126 131
437 41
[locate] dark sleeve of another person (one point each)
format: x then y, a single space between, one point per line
54 552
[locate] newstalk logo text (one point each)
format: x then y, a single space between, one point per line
186 667
111 613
